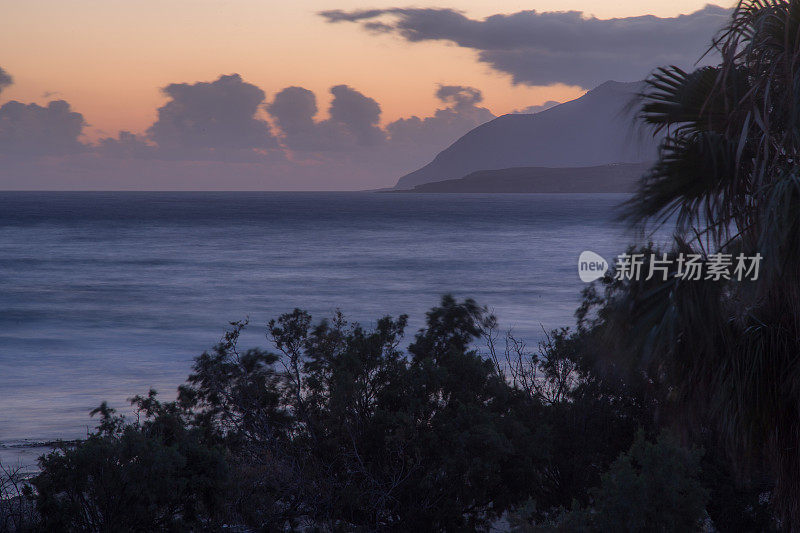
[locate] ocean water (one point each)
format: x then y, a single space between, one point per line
104 295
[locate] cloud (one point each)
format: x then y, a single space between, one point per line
349 149
358 113
5 79
555 47
351 146
293 110
459 95
126 145
337 15
32 130
216 120
353 121
447 124
210 135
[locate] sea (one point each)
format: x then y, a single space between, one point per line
104 295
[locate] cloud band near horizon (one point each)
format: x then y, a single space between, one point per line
555 47
229 121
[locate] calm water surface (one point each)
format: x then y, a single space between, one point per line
103 295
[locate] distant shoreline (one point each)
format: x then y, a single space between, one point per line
602 179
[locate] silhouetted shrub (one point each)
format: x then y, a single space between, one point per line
340 428
652 487
155 474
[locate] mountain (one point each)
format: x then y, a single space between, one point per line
615 178
596 129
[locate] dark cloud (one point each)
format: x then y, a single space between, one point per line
127 145
337 15
293 110
210 135
358 113
5 79
556 47
459 95
216 120
353 121
447 124
377 27
29 130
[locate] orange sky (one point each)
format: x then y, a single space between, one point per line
109 57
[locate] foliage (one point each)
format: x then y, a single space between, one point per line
593 409
728 175
148 475
346 430
17 514
652 487
340 428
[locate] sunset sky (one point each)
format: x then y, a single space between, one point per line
109 58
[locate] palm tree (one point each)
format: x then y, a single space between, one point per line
728 178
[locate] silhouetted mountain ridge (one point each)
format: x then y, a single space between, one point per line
596 129
615 178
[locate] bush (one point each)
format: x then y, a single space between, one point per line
340 427
17 513
143 476
652 487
